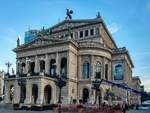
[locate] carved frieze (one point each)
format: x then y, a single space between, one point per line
66 25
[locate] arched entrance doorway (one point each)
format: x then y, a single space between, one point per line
47 94
22 93
11 93
85 95
99 96
34 93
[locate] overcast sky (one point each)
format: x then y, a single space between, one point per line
127 20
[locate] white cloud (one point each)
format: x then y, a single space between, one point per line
113 28
4 68
146 84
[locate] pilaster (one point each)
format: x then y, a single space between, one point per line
47 64
27 66
103 67
16 92
58 63
28 92
79 67
36 69
40 99
7 96
92 67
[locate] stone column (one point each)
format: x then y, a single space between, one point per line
28 92
27 66
57 64
40 99
19 66
79 67
47 64
37 66
92 67
109 71
16 92
7 96
103 68
68 64
54 95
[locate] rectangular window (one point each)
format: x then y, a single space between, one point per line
91 32
71 35
81 34
97 31
86 33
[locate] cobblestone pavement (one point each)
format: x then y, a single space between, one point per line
4 110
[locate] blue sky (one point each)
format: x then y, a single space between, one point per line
128 21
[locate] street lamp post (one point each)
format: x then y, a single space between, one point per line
127 93
8 64
95 85
60 82
21 83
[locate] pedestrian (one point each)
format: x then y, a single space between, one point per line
124 107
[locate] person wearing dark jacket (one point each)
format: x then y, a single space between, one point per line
124 108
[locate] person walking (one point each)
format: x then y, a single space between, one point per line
124 107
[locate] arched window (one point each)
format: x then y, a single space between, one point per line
98 70
23 68
63 70
42 66
118 75
32 66
106 71
52 67
86 68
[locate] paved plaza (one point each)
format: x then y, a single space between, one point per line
4 110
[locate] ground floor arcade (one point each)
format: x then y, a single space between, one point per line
42 91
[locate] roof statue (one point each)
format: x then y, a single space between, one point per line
69 14
18 41
98 15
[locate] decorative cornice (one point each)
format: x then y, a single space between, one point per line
54 43
122 51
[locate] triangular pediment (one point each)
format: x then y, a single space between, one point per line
35 43
73 23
